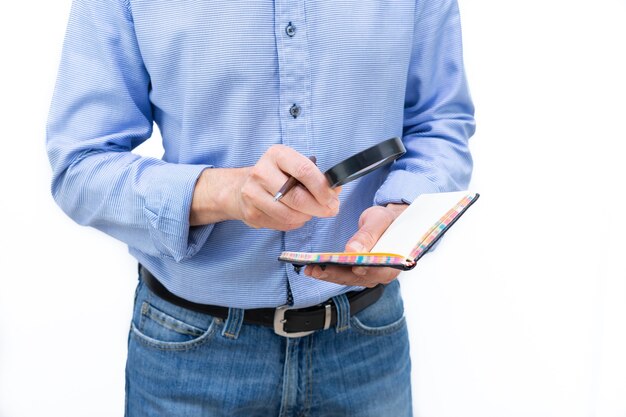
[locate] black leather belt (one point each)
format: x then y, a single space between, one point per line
284 320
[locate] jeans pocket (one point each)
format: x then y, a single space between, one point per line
386 316
378 330
162 330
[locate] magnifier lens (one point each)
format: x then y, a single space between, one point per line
365 162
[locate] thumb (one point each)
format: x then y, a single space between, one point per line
372 224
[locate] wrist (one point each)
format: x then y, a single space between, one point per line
214 196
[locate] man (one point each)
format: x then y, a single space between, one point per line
243 93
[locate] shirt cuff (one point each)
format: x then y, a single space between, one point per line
403 187
167 207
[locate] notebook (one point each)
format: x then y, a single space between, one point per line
406 240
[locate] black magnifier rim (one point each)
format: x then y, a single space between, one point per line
365 162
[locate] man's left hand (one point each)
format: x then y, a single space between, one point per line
372 224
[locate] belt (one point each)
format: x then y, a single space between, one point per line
286 321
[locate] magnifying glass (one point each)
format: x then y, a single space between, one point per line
365 162
355 166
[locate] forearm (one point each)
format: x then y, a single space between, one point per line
438 110
143 202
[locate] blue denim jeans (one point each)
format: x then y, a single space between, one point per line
184 363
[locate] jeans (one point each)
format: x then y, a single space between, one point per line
184 363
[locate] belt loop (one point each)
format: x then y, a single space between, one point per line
343 312
233 324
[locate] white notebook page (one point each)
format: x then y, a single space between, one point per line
405 232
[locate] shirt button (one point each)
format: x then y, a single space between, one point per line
295 110
290 30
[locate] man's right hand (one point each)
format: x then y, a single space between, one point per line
247 194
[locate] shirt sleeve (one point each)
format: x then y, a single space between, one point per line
438 112
100 111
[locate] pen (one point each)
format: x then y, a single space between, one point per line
290 183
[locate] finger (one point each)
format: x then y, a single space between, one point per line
267 173
308 174
260 220
343 275
260 210
257 193
300 199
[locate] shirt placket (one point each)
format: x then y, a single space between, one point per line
292 48
295 102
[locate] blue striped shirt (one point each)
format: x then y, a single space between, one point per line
219 79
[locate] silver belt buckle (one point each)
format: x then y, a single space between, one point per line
279 322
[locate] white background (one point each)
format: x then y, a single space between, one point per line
521 311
